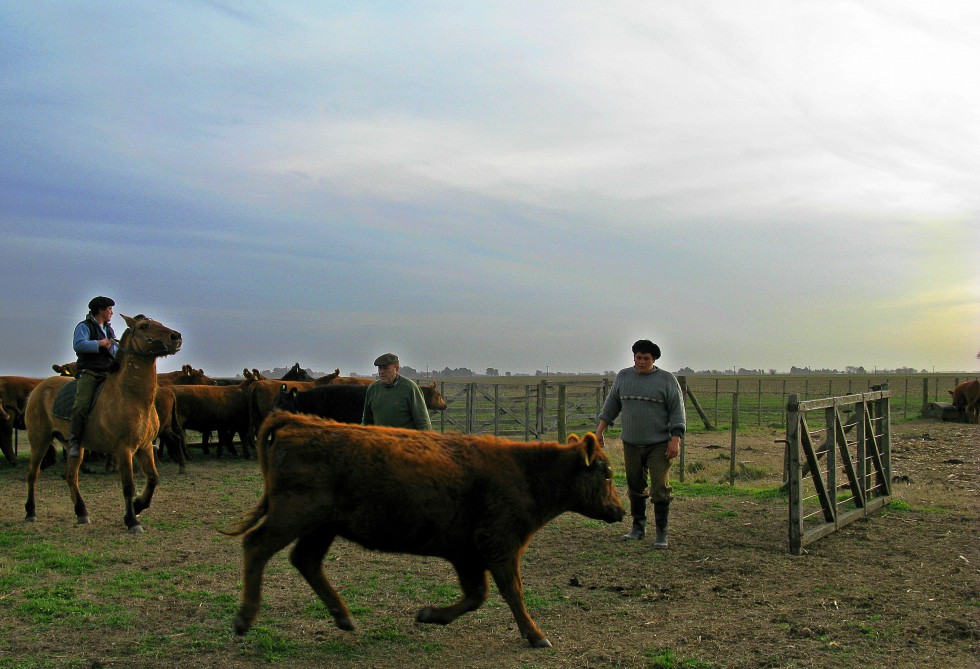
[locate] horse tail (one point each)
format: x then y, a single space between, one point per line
264 443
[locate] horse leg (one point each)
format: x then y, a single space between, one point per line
149 466
71 478
33 468
129 491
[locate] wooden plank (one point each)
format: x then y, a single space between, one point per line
811 457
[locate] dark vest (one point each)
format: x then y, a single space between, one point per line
97 362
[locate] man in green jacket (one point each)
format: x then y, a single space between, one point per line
393 400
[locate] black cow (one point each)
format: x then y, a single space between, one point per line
342 403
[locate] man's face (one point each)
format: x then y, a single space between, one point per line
643 362
104 316
388 373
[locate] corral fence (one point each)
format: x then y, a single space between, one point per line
838 462
529 411
762 399
553 408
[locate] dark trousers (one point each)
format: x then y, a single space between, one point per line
647 462
88 382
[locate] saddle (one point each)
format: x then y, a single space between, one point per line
65 399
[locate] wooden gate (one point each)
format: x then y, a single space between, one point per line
856 475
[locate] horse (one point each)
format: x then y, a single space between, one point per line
122 422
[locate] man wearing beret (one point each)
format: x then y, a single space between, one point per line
654 421
96 347
393 400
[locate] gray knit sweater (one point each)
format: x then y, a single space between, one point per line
651 404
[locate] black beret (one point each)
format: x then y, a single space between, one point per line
386 359
99 303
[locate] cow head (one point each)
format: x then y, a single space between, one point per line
595 495
67 369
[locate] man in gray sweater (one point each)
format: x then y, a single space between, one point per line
654 421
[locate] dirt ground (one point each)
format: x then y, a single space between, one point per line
898 589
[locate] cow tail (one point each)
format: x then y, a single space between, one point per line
267 433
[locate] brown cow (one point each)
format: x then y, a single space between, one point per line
327 378
354 380
966 399
222 409
14 391
185 376
474 500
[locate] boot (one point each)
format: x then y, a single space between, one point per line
660 512
638 532
75 436
638 510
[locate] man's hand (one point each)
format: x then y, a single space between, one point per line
673 448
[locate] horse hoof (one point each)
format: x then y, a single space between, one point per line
541 643
30 519
345 623
136 529
83 520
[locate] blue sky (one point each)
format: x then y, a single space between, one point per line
521 186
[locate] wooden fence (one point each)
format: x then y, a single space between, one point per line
854 478
530 411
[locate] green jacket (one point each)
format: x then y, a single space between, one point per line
399 405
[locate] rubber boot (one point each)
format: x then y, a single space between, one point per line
660 512
638 509
75 436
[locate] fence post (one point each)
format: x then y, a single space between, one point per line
470 407
496 409
925 394
731 468
527 411
793 481
562 426
541 408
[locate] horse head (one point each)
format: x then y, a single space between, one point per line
148 337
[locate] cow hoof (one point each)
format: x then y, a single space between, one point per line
136 529
541 643
240 626
83 520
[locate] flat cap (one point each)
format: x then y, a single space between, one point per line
101 302
386 359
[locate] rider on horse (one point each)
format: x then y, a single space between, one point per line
96 346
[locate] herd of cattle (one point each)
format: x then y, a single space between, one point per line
188 399
474 500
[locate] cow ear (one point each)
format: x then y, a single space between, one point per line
591 445
950 392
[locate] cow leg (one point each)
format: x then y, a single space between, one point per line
507 576
149 466
307 556
258 545
7 442
248 443
475 585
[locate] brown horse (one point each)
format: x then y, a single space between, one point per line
122 423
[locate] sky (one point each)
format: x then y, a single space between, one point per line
520 186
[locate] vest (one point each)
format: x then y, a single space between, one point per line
97 362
